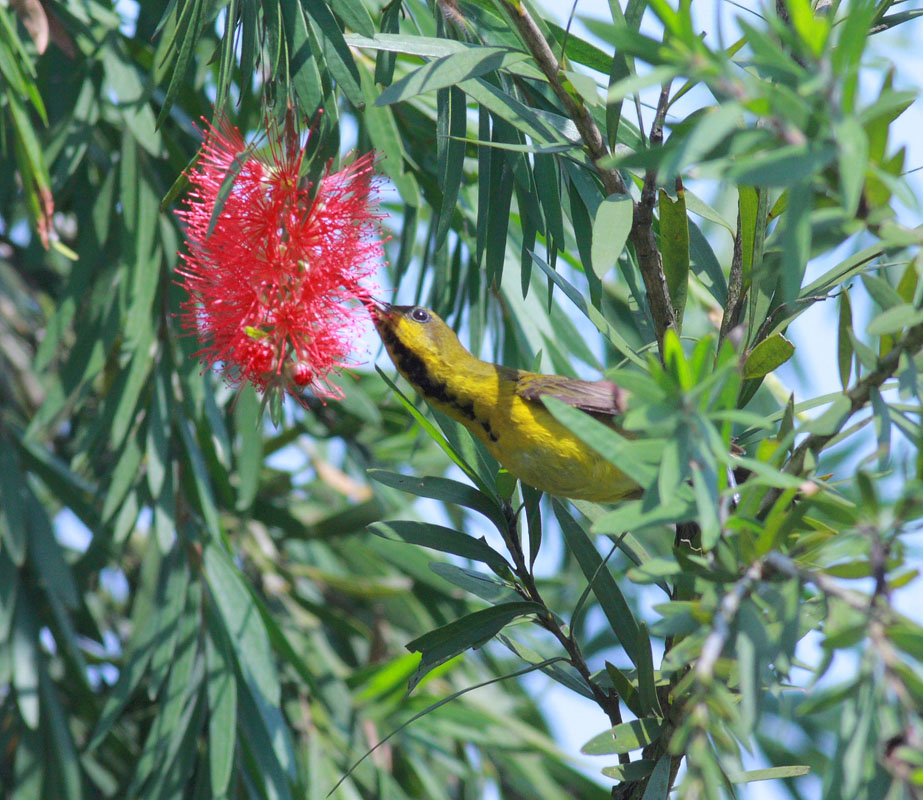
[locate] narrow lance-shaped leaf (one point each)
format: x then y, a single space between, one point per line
610 232
444 539
767 356
473 630
222 704
844 349
604 587
623 738
449 71
674 243
445 490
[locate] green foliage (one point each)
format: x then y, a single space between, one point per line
196 604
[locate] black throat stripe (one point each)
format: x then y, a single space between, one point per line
414 369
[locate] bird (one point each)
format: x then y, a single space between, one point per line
504 407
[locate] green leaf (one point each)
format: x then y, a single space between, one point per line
303 73
446 490
179 697
853 156
450 155
705 264
13 493
647 688
28 772
436 436
383 131
769 774
844 349
632 84
157 448
256 744
605 441
784 166
768 355
336 54
487 587
47 556
590 312
795 233
623 738
632 515
679 618
242 622
9 594
446 540
472 630
658 785
501 196
247 423
247 632
356 16
604 587
201 481
580 50
169 623
134 668
189 29
895 319
424 46
831 421
714 125
222 705
633 771
674 243
139 369
882 292
610 232
450 70
624 689
546 128
65 759
24 659
706 501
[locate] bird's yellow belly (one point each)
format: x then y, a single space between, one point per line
540 451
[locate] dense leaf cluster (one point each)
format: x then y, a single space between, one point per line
196 604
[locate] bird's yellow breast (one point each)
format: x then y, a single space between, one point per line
523 435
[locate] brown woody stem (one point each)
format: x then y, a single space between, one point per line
642 231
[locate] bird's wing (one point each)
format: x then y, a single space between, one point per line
597 397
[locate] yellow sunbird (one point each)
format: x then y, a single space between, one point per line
503 407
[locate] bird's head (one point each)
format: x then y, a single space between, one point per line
410 332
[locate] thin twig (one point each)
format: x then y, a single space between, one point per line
724 619
528 590
859 394
858 601
649 192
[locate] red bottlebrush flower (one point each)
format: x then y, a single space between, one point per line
271 287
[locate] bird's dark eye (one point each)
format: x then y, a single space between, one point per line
420 315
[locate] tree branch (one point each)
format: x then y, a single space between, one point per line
724 619
859 394
528 590
641 236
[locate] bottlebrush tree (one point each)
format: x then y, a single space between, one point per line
236 560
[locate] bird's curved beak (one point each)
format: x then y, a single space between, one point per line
378 309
